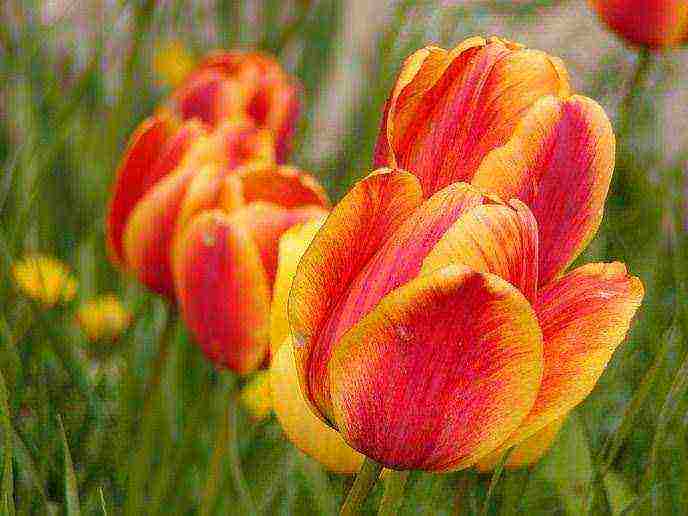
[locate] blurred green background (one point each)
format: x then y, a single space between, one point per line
78 75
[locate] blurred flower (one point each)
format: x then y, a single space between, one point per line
651 23
302 427
44 279
528 452
172 62
227 85
255 396
435 324
103 318
225 260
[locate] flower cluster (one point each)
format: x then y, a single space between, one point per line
436 318
202 196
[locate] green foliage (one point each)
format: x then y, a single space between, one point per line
149 426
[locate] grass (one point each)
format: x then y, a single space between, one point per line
146 425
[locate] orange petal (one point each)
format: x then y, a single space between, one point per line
268 95
150 229
208 96
559 162
528 452
653 23
267 222
292 245
285 186
364 219
584 316
439 373
154 150
303 428
450 108
222 290
398 260
493 238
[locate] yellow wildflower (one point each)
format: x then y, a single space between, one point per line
103 318
172 63
44 279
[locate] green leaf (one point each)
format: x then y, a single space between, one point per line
71 492
7 474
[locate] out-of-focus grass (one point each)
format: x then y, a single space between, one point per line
149 425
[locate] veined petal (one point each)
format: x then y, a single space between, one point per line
499 239
150 229
584 316
450 109
292 245
266 222
397 261
440 373
303 428
559 162
528 452
222 290
285 186
366 217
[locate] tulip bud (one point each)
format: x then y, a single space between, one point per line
650 23
230 85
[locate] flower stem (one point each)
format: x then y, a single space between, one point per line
395 482
365 480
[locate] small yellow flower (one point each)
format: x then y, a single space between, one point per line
256 396
172 63
103 318
44 279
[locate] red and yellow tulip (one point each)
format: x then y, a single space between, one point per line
434 316
201 199
648 23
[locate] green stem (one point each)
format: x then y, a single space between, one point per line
496 475
365 480
240 483
395 482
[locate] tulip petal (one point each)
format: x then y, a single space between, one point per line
292 246
223 291
266 223
150 229
285 186
153 152
528 452
560 163
364 219
502 240
450 109
396 262
439 373
303 428
584 316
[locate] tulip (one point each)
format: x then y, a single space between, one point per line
434 316
224 259
649 23
302 427
227 85
103 318
44 279
168 173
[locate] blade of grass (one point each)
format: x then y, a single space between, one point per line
71 490
7 474
496 475
364 483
